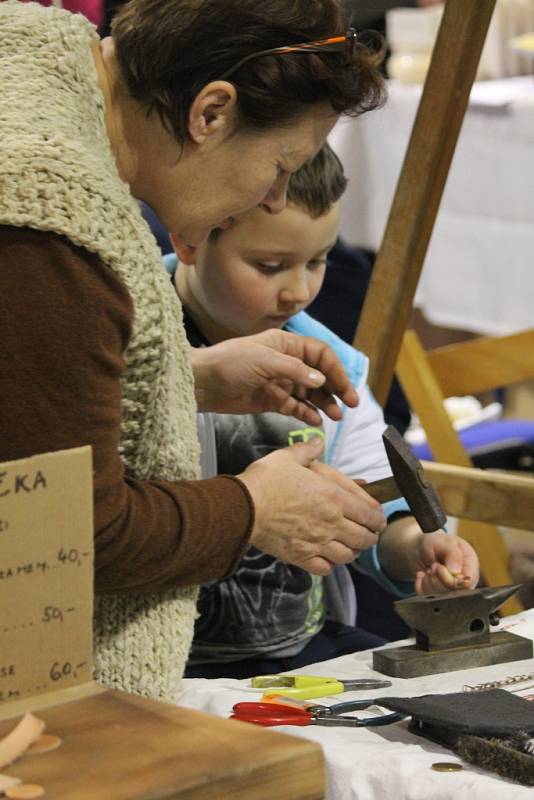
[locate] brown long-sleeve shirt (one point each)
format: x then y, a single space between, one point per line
65 322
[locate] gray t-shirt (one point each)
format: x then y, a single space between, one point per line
266 606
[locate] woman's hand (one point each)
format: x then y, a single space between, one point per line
445 563
271 371
313 519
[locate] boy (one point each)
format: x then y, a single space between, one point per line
262 273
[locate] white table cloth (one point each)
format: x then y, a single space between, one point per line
479 272
388 763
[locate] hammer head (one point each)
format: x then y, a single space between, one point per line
412 482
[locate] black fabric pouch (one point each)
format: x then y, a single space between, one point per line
493 730
491 713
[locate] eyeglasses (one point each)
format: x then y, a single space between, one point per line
345 43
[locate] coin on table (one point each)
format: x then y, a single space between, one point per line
45 744
447 766
25 791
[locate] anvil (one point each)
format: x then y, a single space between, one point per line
452 632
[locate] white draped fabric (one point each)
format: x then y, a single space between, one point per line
479 271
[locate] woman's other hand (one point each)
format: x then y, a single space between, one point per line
272 371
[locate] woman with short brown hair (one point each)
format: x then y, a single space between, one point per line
184 109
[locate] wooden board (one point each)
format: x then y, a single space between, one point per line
487 496
483 363
121 747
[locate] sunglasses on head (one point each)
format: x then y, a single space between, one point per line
345 43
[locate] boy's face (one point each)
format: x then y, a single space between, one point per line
259 273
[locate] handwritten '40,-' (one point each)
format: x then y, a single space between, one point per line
13 483
65 557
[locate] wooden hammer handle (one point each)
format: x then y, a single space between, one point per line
383 490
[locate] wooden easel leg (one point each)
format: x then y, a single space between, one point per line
426 166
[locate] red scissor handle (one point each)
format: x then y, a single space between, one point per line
269 722
266 709
269 714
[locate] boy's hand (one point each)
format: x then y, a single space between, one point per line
445 563
311 519
272 371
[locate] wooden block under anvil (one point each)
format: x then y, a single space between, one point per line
452 632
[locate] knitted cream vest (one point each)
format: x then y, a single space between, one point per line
57 173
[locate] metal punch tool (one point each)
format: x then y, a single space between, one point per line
306 687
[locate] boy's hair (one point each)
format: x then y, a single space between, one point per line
168 50
318 184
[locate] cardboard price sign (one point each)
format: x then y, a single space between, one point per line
46 574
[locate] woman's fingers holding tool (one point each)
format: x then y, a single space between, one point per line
310 518
323 565
352 537
359 506
321 357
363 518
272 371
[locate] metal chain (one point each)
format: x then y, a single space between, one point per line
482 687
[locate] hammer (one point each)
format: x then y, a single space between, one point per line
408 481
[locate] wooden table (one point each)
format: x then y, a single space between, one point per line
389 763
121 747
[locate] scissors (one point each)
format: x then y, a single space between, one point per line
308 686
270 714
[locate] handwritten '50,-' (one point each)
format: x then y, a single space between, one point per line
12 483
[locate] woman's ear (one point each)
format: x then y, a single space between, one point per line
213 112
186 254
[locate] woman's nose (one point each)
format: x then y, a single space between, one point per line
275 201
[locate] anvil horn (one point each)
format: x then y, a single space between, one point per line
497 595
